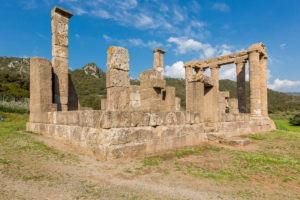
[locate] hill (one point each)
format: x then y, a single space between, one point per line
293 93
90 85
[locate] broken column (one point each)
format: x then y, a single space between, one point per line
188 88
158 63
117 79
254 79
168 96
40 89
222 101
60 28
263 85
233 106
215 73
241 84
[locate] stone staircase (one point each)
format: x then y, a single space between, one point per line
213 135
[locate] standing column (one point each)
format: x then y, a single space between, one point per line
254 72
215 74
60 29
158 63
263 86
188 87
241 85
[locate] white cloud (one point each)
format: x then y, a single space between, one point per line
138 42
154 44
175 71
282 46
228 72
107 38
40 35
221 7
78 10
282 85
76 35
29 4
101 13
184 45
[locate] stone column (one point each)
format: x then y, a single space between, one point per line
188 98
199 71
254 79
158 63
40 89
215 73
60 28
241 85
117 79
263 86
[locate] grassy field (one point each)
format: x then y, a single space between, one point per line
35 167
282 118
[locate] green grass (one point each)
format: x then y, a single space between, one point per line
180 153
286 124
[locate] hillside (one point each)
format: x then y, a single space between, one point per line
90 86
293 93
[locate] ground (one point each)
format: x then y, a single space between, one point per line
33 166
282 119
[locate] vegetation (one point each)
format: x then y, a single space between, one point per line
295 120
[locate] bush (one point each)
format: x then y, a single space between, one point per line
295 120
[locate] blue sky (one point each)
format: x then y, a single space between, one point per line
187 30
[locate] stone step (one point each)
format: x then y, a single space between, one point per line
235 141
215 136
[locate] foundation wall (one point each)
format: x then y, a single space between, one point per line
116 134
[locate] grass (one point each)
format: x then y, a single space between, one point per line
286 123
182 152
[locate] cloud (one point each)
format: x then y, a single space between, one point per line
175 71
228 72
185 45
221 7
107 38
101 13
40 35
282 46
282 85
29 4
78 10
138 42
76 35
225 26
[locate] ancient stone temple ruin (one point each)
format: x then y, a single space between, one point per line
136 120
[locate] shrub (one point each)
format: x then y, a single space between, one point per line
295 120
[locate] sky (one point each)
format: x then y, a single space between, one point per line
187 29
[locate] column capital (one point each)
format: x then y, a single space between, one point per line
61 11
240 61
214 66
188 64
159 51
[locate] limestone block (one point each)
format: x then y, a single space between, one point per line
115 119
135 105
39 117
140 134
118 58
60 12
152 104
153 83
149 74
60 40
168 95
118 98
150 93
60 51
180 118
156 118
62 118
73 118
170 118
117 78
60 65
103 104
177 104
135 97
140 118
247 117
189 117
41 108
60 26
134 89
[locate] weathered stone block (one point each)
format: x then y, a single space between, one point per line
117 78
152 104
170 118
150 93
118 58
115 119
73 118
60 51
60 40
140 118
103 104
177 104
153 83
149 74
156 118
118 98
